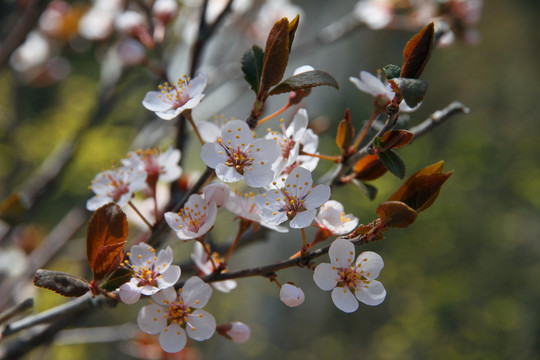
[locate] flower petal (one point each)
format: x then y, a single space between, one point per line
153 101
196 292
151 319
236 133
303 219
210 155
169 277
372 294
165 296
317 196
129 293
164 259
227 173
370 263
173 338
344 299
326 276
341 253
140 254
203 325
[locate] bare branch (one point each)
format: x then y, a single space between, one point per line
438 117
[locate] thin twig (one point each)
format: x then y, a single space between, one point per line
438 117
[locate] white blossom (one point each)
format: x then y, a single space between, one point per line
157 165
243 205
237 155
200 258
237 332
332 217
374 86
296 201
291 295
217 193
351 282
174 99
151 273
116 185
194 220
172 315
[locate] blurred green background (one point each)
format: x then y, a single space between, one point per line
462 281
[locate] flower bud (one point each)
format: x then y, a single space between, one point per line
236 331
291 295
131 52
165 10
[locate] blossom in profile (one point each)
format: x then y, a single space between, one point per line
332 218
243 205
116 185
173 99
157 165
237 155
151 273
291 295
350 281
203 263
194 220
381 91
296 200
172 315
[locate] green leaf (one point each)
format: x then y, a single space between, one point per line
411 90
393 163
252 63
369 190
61 283
305 80
391 71
117 278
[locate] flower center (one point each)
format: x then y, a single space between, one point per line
119 188
178 313
353 278
238 158
192 217
176 94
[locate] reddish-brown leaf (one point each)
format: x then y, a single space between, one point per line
396 214
105 239
293 25
276 56
369 168
417 51
394 139
421 189
345 133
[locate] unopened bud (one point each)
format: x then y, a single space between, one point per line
127 21
291 295
236 331
131 52
165 10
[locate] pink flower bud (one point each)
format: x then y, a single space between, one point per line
237 332
165 10
291 295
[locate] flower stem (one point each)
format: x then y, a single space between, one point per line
365 130
187 114
140 215
263 120
207 251
334 158
243 226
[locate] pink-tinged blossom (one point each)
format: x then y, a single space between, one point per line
194 220
237 155
243 205
174 99
172 315
332 218
217 193
374 86
289 140
235 331
350 281
201 261
116 185
296 200
157 165
291 295
151 273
